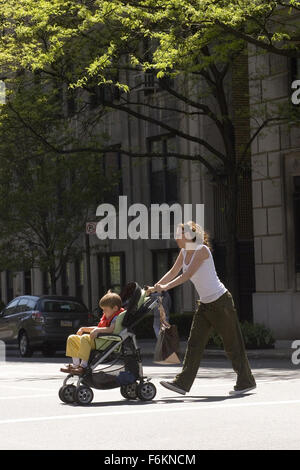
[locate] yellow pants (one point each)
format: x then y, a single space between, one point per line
80 346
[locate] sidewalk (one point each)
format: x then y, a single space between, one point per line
147 347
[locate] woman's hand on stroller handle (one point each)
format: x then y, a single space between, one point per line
156 288
160 287
149 290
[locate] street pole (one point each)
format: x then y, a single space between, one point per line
88 270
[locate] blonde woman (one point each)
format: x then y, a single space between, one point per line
215 310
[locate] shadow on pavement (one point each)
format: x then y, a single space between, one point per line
166 400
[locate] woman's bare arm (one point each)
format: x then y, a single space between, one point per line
177 266
199 257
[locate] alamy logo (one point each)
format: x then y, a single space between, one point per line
160 222
296 354
2 351
2 92
296 94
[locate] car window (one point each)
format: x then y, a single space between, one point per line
63 306
11 307
23 305
31 304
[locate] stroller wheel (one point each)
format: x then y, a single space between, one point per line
146 391
83 395
129 391
66 393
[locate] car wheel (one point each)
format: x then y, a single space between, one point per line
24 346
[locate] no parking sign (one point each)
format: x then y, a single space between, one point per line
90 228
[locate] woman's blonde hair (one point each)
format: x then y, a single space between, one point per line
197 233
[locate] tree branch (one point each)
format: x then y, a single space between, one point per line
170 129
194 158
258 43
208 112
260 128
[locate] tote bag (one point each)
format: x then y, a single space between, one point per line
167 346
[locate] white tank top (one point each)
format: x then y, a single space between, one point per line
205 279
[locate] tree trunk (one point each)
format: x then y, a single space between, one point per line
231 208
53 281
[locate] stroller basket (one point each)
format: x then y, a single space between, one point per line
114 375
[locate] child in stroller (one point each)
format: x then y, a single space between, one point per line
80 345
121 351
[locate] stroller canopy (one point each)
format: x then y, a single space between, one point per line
133 299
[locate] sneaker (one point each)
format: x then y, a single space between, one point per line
173 387
241 391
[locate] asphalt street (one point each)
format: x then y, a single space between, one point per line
33 417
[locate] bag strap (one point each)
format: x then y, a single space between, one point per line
162 315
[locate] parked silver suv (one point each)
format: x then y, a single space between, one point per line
42 322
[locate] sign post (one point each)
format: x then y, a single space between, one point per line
90 229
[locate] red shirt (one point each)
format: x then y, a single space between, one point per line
105 322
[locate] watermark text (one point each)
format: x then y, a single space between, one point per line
137 221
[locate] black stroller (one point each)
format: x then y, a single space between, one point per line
117 354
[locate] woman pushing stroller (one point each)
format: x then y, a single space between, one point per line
216 310
80 345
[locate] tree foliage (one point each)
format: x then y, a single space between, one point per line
94 43
45 197
37 34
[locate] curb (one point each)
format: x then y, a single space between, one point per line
147 350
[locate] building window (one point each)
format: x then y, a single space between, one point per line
79 278
112 169
296 200
163 260
147 81
71 102
219 213
27 282
111 269
65 279
46 282
104 93
9 286
295 69
163 171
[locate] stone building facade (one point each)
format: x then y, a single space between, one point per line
275 184
271 223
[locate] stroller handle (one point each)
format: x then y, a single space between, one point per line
154 303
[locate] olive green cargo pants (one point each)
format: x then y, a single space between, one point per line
219 315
